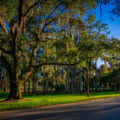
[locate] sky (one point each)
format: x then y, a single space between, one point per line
113 25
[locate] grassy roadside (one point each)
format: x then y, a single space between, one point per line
45 100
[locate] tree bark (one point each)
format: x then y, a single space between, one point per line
33 86
88 87
88 80
28 86
15 91
25 87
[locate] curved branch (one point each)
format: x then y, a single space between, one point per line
59 64
32 6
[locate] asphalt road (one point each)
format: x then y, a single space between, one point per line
104 109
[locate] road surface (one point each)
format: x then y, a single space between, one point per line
104 109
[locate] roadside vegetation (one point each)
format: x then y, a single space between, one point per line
31 101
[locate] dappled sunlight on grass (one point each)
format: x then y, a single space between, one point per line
51 99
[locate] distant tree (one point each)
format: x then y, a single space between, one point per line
92 44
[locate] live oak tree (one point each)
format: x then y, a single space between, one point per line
28 28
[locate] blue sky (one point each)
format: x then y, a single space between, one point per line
114 25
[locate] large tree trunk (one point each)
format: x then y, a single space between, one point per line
15 91
15 88
14 81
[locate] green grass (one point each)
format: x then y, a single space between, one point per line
45 100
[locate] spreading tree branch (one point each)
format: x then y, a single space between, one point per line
60 64
33 6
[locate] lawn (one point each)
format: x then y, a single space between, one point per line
51 99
